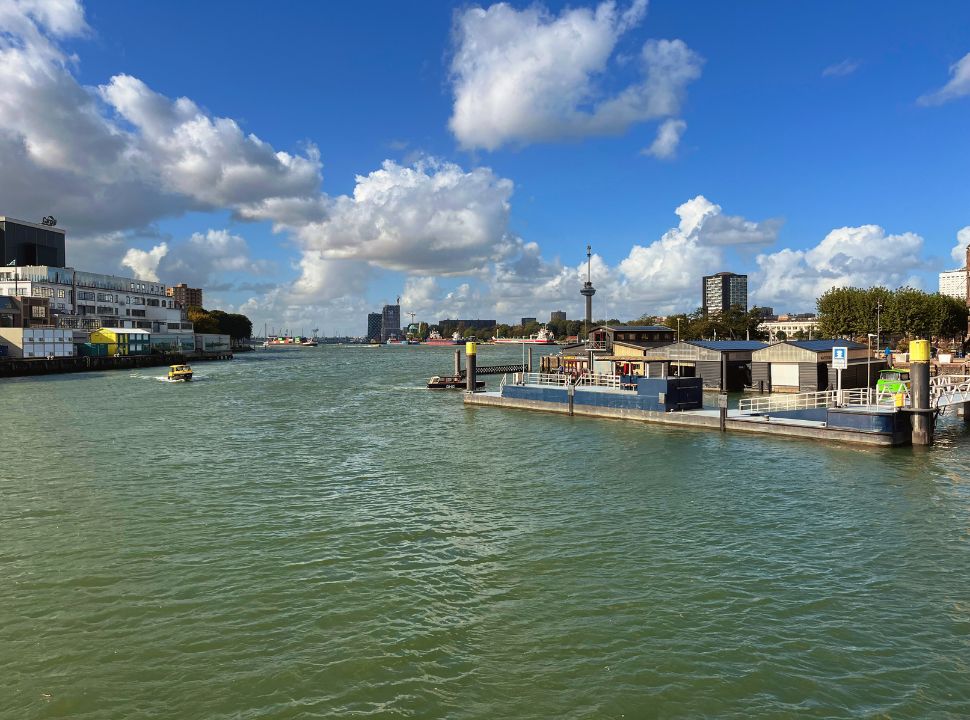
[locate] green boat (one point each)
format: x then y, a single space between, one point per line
892 381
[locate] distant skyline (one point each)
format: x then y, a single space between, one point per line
306 163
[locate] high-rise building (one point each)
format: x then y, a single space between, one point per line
528 321
558 316
953 283
185 296
29 244
390 322
374 321
723 291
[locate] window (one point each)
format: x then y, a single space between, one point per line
38 311
60 294
85 295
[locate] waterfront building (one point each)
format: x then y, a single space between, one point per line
644 336
185 296
122 341
806 366
557 316
790 327
723 291
953 283
86 300
705 359
390 322
27 243
374 322
36 342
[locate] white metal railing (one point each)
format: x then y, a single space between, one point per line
596 344
598 380
949 390
776 403
558 379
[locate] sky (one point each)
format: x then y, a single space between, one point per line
304 163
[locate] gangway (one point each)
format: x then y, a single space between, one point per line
945 390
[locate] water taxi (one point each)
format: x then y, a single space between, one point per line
179 373
893 381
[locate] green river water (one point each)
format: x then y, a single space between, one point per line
309 533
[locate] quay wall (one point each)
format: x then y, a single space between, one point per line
25 367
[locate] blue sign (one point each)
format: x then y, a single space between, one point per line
840 358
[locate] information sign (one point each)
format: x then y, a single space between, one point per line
840 358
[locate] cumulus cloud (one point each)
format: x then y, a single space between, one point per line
658 277
959 252
957 87
521 76
665 144
850 256
840 69
119 156
433 217
145 263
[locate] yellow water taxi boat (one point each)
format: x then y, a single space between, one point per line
180 372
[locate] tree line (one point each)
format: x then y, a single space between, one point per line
235 325
902 313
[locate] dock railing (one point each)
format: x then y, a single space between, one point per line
598 380
777 403
853 397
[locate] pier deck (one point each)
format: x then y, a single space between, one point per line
706 419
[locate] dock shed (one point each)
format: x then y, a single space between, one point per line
806 366
708 360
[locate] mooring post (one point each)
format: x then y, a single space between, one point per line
471 353
457 362
919 375
528 365
722 405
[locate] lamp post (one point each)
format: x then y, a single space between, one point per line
869 337
878 326
678 329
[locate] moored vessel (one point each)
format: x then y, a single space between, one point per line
543 337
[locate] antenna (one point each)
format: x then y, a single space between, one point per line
589 263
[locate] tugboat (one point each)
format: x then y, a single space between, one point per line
179 373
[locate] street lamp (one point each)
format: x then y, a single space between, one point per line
878 326
678 329
869 337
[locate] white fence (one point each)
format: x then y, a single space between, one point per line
563 379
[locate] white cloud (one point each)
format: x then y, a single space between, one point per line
659 277
433 217
959 252
120 156
840 69
850 256
522 76
665 144
957 87
145 263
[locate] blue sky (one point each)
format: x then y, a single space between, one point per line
462 156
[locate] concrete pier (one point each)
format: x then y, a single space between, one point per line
700 419
25 367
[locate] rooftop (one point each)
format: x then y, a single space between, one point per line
728 345
824 345
5 218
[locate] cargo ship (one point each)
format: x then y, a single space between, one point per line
543 337
435 339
